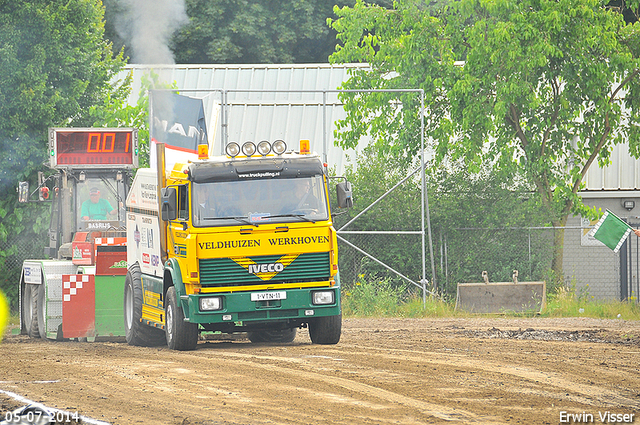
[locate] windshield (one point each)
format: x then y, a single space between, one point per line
99 204
259 201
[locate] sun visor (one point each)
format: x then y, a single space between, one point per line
268 168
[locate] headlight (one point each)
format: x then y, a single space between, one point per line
264 148
279 146
210 303
233 149
248 148
323 297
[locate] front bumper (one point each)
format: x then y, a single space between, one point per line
239 307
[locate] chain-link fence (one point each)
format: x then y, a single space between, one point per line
590 269
466 253
461 255
13 251
402 253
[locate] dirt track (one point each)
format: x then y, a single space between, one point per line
402 371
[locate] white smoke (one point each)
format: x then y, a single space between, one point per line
147 25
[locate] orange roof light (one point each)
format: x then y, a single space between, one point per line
203 151
305 147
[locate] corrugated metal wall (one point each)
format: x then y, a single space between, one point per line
254 109
622 174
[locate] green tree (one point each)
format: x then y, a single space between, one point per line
252 31
55 66
535 87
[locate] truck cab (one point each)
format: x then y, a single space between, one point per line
240 243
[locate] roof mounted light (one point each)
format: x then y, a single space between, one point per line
279 147
233 149
305 147
264 148
203 151
248 148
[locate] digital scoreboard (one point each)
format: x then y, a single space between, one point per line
93 147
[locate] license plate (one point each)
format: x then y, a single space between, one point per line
268 296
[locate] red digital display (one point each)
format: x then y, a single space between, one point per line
93 147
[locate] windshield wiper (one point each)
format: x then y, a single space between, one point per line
240 219
302 216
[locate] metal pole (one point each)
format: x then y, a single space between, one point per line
530 261
224 137
324 127
637 294
426 195
446 261
422 204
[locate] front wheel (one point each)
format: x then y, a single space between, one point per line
30 310
41 310
136 333
181 335
326 330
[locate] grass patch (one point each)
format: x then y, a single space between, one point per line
370 297
567 302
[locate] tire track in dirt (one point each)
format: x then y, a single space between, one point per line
306 372
383 371
592 395
371 397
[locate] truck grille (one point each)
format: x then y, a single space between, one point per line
311 267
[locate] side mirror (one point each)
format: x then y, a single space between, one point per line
169 203
343 190
23 191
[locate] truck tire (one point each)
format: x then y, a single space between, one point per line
279 336
30 310
41 310
181 335
326 330
136 333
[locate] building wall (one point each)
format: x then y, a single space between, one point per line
593 269
591 266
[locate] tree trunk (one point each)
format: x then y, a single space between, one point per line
558 251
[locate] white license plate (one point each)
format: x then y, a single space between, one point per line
268 296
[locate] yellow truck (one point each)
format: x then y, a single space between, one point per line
237 243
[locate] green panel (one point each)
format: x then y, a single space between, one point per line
109 305
216 272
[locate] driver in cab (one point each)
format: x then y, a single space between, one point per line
96 208
305 201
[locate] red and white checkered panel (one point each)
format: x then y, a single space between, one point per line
78 305
72 283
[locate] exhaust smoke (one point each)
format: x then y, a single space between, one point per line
147 25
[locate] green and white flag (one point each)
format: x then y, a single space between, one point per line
611 231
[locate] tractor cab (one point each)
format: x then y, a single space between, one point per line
93 168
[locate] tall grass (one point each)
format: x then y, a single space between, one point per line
567 302
369 297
